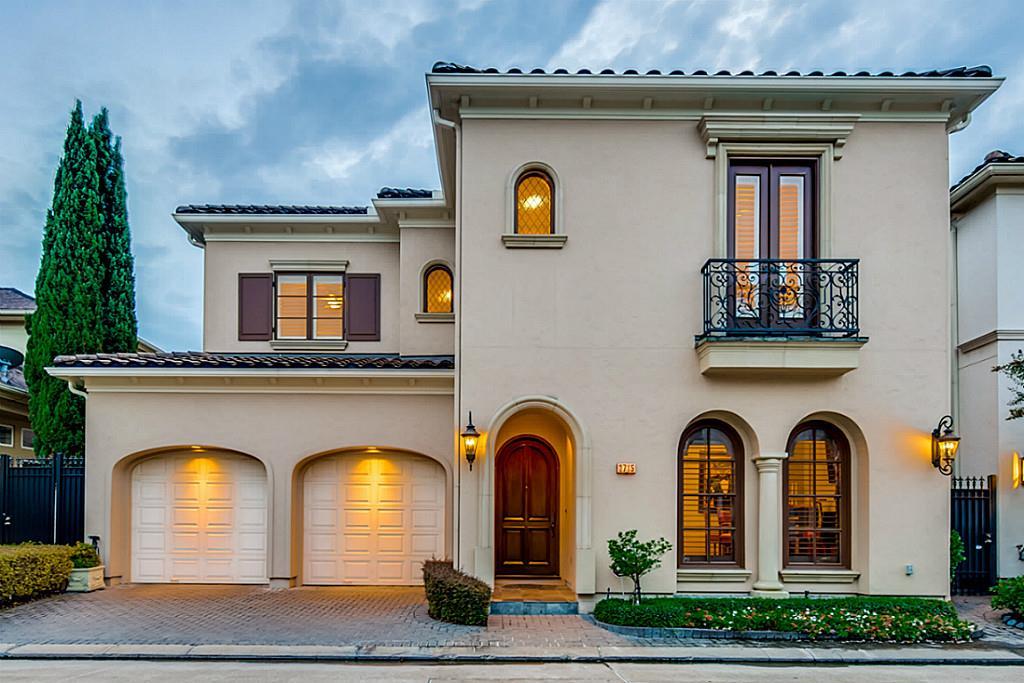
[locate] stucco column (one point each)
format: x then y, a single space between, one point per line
769 526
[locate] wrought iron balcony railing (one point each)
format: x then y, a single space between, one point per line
776 297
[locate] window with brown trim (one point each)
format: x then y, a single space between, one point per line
310 305
710 516
816 481
535 204
437 289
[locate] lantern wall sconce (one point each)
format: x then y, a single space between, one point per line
945 443
1017 470
470 437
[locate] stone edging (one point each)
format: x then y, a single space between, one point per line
699 633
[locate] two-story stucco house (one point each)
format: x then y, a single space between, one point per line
988 216
710 307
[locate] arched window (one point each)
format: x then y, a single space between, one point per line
535 204
437 289
710 495
816 481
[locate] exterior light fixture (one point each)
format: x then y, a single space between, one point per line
469 441
945 443
1017 470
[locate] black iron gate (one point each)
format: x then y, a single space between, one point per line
42 499
973 516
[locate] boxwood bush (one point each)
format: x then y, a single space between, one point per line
455 596
903 620
30 571
1009 594
84 556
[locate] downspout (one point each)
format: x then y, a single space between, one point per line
75 390
954 333
457 503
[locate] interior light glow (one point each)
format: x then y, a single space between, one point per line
534 201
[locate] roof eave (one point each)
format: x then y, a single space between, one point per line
980 184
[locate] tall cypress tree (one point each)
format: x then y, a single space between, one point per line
120 329
68 289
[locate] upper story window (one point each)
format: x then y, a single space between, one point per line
310 306
710 495
772 210
437 289
535 204
816 481
28 438
6 435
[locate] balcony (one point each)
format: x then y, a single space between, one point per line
780 315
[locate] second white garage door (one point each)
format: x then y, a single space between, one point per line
372 518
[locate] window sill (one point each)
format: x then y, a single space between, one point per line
823 357
712 575
819 575
514 241
435 317
309 344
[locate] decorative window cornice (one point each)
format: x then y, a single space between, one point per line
809 127
309 265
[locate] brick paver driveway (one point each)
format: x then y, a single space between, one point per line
243 615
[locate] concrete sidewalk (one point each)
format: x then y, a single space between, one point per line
968 654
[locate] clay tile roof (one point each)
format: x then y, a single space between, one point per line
205 359
403 193
269 209
981 71
996 156
12 299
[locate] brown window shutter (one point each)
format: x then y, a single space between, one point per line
362 307
255 306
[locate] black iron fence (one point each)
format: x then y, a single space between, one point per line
778 297
973 516
42 499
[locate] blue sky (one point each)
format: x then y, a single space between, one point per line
324 102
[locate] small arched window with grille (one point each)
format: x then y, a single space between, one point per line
535 204
437 289
816 482
710 495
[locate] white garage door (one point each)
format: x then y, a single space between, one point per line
199 518
372 519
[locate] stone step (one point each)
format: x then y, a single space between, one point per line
525 607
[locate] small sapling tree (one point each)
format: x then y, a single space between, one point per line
635 559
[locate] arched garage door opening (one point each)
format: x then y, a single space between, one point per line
371 517
199 516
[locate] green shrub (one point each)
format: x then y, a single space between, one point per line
957 554
455 596
84 556
634 558
1009 594
30 571
904 620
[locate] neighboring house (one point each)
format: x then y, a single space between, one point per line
16 435
709 307
988 229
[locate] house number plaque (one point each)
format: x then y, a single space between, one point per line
625 468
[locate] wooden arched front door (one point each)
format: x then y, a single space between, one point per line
526 509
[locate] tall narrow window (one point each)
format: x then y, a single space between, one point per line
310 306
771 230
710 495
535 204
437 289
816 479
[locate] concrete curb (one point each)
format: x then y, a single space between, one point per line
913 656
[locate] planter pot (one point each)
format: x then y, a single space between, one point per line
86 580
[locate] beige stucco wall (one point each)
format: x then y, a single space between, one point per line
419 248
282 430
12 332
989 242
606 326
225 260
14 414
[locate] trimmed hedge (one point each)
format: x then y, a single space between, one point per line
1009 594
30 571
901 620
454 596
